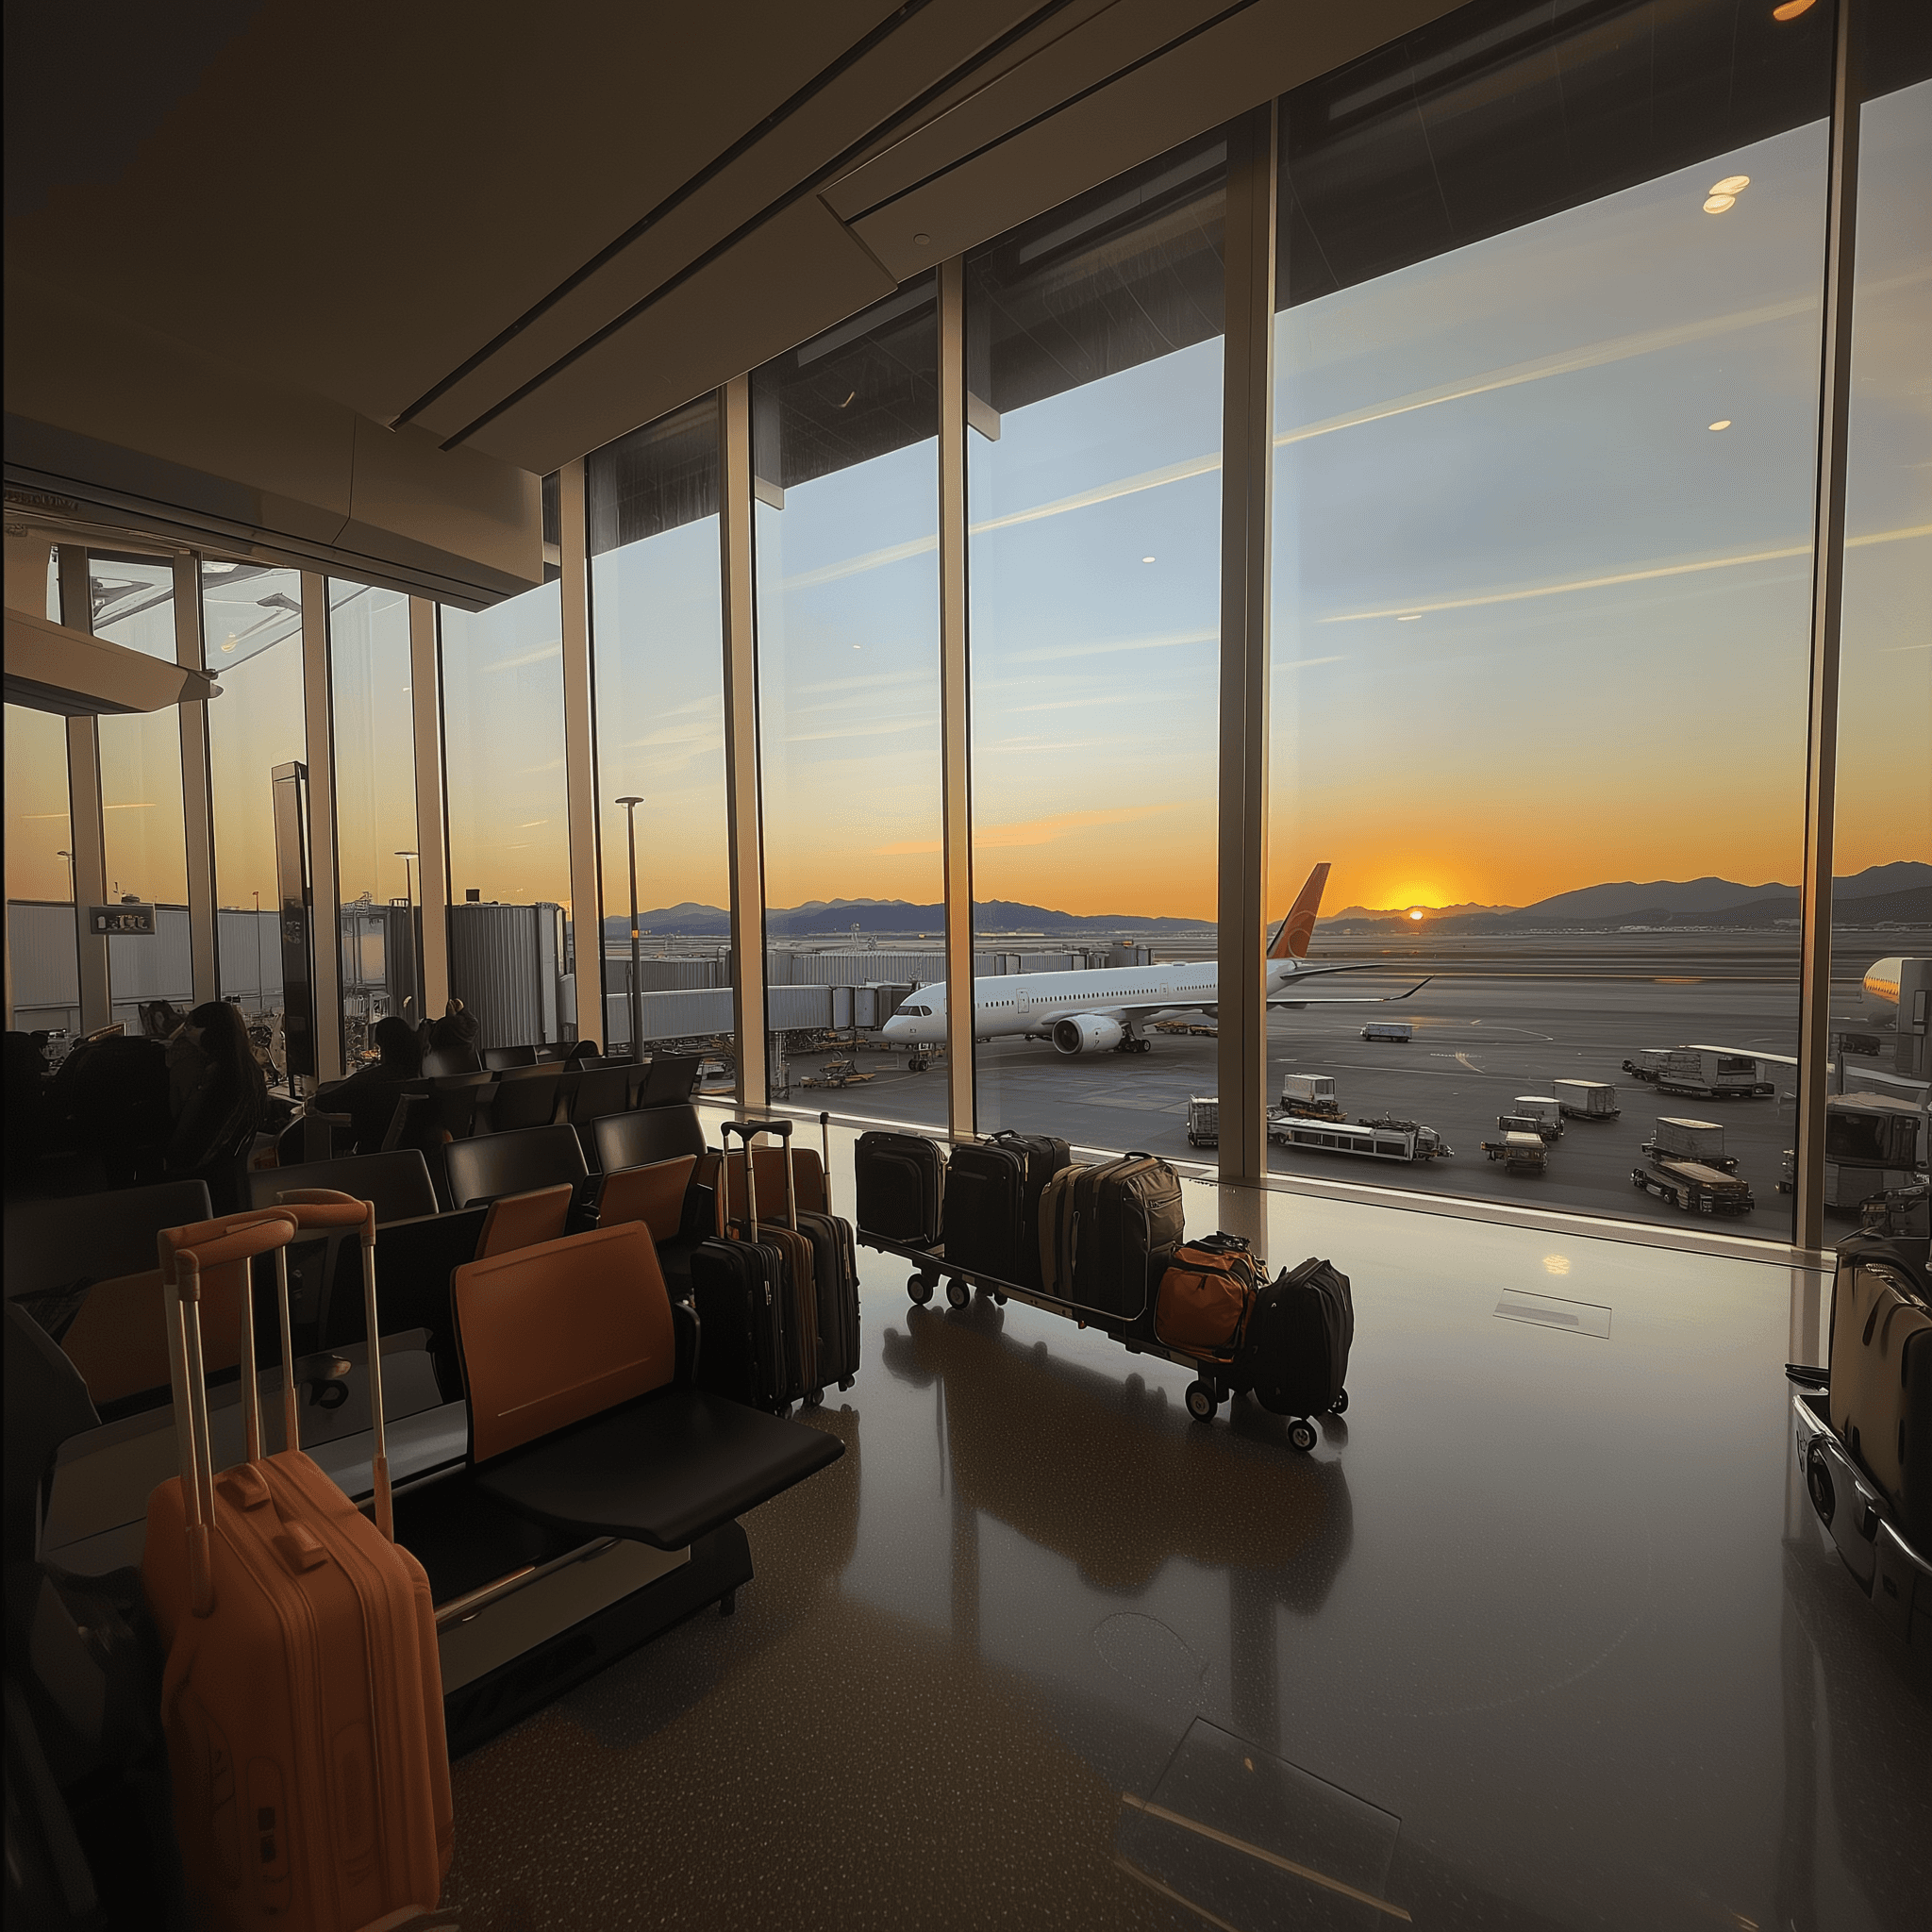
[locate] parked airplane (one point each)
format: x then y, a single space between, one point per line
1102 1010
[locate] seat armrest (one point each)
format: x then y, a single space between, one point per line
689 1332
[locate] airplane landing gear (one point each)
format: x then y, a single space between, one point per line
1133 1044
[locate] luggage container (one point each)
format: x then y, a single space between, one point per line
1644 1063
1709 1075
1311 1095
1520 1153
1872 1130
1586 1100
1545 1110
1397 1032
1204 1121
1676 1137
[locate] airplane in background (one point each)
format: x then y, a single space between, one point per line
1102 1010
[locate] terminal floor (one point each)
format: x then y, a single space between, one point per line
1542 1634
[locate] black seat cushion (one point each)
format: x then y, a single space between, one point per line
664 1470
637 1139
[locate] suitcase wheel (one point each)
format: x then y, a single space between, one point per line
957 1293
999 1300
844 1382
920 1288
1301 1433
1339 1405
816 1398
1202 1402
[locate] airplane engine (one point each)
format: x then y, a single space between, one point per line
1086 1033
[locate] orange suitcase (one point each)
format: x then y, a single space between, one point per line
302 1695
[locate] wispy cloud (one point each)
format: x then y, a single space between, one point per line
1168 641
528 658
886 729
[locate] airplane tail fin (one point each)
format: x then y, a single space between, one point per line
1292 937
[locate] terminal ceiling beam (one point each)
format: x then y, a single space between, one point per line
956 732
744 828
1247 470
1827 600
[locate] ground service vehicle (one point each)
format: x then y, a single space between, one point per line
1399 1032
1204 1121
1383 1139
1646 1061
1311 1094
1694 1187
1586 1100
1520 1124
1520 1153
1544 1110
1709 1073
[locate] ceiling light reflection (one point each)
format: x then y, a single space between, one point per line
1719 203
1731 184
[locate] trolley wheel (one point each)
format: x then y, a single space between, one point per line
815 1399
844 1382
957 1293
999 1299
1201 1402
920 1289
1339 1405
1301 1433
915 1065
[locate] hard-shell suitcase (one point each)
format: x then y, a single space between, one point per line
745 1289
1055 1217
992 1203
902 1182
1880 1395
835 1259
1299 1335
1117 1234
798 1277
302 1696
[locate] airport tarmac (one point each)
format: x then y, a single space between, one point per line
1482 1037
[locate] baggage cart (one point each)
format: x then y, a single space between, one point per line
1694 1187
1545 1110
1312 1095
1204 1121
1586 1100
1521 1152
1397 1032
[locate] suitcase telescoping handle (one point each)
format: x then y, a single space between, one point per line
221 1243
825 1156
749 1131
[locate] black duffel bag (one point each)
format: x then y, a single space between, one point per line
1298 1339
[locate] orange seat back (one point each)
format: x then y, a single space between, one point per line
653 1195
521 1221
552 1333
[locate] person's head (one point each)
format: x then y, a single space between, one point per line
395 1039
451 1008
161 1020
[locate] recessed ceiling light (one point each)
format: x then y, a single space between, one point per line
1721 423
1146 559
1731 184
218 570
1718 202
1791 9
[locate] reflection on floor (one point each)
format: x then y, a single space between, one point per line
1542 1635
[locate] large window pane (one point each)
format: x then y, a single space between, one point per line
1545 419
142 824
252 639
1882 905
508 818
845 450
1093 353
39 874
375 807
657 658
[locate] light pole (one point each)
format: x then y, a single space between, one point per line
636 991
260 992
415 936
71 891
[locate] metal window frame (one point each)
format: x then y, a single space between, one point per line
197 801
432 841
955 702
1247 495
580 750
85 833
743 819
326 912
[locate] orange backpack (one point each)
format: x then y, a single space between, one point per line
1206 1295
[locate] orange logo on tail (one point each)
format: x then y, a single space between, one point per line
1293 935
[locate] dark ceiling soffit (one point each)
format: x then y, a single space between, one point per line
672 202
1119 73
810 184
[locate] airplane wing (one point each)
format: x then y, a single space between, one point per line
1211 1008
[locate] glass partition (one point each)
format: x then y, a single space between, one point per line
508 818
1094 378
376 810
45 986
846 453
1545 423
1880 1037
657 636
143 833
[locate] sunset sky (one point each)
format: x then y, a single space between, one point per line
1536 624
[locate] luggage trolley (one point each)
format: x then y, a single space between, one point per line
1214 1383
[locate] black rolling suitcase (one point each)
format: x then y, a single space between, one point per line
739 1291
1119 1224
835 1263
992 1203
1298 1338
902 1182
